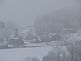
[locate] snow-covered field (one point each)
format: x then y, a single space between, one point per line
20 54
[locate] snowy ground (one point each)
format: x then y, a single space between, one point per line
20 54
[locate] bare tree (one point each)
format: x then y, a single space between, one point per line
6 29
75 53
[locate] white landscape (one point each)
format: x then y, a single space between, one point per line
20 54
40 30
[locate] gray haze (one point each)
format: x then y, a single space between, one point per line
26 11
56 32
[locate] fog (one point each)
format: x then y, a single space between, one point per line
26 11
53 31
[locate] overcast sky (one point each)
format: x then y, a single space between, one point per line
26 11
